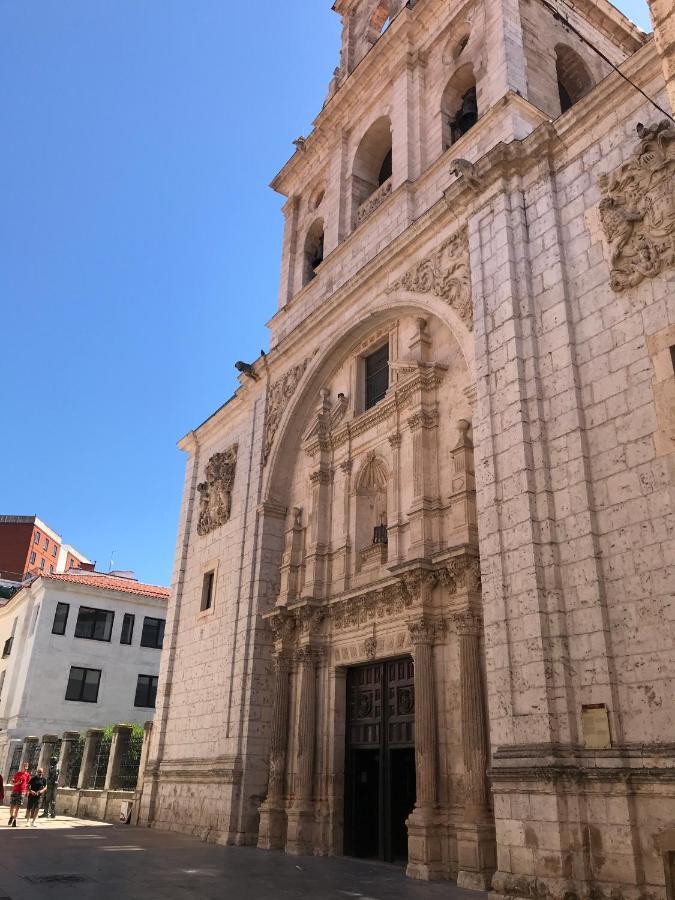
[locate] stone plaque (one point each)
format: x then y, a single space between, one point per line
595 724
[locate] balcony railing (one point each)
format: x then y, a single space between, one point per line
376 199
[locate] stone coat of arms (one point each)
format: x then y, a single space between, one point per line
637 211
215 500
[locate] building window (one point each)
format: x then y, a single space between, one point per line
7 649
127 628
377 376
672 357
37 537
83 685
153 633
51 570
54 549
94 624
60 618
32 557
146 691
46 543
208 587
42 565
313 251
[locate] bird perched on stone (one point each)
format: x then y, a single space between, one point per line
462 167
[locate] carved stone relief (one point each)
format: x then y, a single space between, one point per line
280 393
446 273
215 501
637 211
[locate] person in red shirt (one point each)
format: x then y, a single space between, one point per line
19 788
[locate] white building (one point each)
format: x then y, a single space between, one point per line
78 650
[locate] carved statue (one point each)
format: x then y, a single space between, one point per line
215 501
637 211
463 168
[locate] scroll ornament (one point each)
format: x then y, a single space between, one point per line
280 393
446 273
637 210
215 500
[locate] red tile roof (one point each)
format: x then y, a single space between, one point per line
112 583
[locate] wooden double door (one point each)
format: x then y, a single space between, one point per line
380 761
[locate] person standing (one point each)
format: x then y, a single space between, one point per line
19 788
49 804
37 787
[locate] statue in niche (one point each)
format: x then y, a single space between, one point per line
215 500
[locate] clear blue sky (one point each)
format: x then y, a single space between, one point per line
139 242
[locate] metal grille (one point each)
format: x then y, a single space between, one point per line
130 762
16 762
100 767
34 757
74 763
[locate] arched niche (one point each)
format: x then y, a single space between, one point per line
370 508
459 105
313 250
573 77
372 166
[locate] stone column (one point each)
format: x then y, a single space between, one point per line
271 833
663 17
49 742
69 739
145 752
300 839
395 549
476 834
121 738
424 845
92 743
29 745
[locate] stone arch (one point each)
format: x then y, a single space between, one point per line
459 105
312 251
319 369
373 161
573 75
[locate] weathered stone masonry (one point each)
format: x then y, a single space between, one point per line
502 513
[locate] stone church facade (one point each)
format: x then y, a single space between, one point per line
423 597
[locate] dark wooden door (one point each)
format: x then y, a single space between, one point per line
380 761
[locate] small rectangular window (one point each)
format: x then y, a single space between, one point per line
2 681
32 557
7 649
46 543
60 618
127 628
37 537
51 570
377 376
83 684
54 549
146 691
153 633
672 357
207 590
94 624
42 565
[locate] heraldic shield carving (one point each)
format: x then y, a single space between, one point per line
215 501
637 211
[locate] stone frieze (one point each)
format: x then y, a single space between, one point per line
445 273
280 393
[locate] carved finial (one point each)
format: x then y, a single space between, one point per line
462 167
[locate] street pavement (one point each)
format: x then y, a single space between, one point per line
79 860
